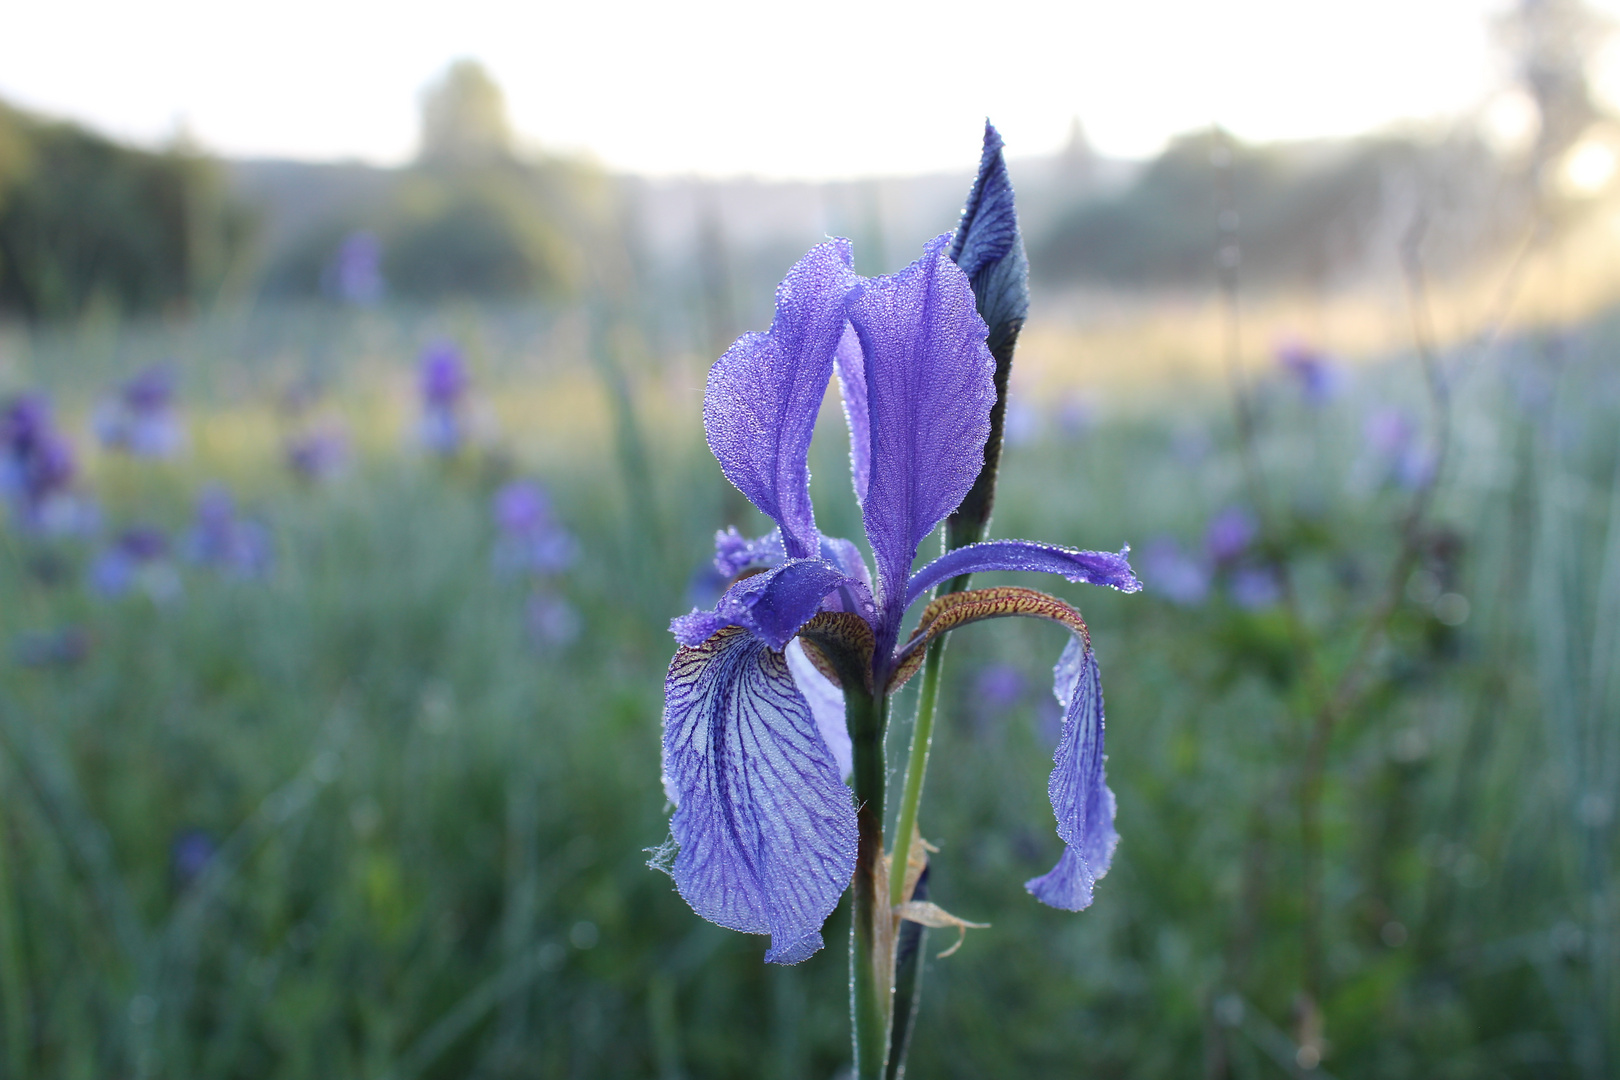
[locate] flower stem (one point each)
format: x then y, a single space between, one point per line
922 739
871 957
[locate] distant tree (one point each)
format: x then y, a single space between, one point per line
464 118
85 219
1552 42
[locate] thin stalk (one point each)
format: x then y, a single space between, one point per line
13 977
871 956
922 739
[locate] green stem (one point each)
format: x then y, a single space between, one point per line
871 958
13 978
922 739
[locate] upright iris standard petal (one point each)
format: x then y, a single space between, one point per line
772 605
852 388
1078 788
766 827
929 388
1090 567
763 395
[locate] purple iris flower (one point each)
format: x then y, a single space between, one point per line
1398 451
141 418
552 620
318 453
1229 534
138 557
1319 378
999 686
190 852
1173 573
530 540
220 538
356 271
766 829
1254 588
442 381
37 467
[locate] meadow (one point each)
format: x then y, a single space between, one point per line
359 815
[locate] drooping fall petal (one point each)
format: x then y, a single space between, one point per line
765 825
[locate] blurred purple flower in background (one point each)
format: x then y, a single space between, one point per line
1168 570
999 686
529 539
1397 450
318 453
190 852
1254 587
442 381
1320 379
141 419
1076 415
1229 535
37 468
221 539
552 620
139 557
355 276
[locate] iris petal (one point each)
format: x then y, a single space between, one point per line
763 395
773 604
1081 800
1091 567
765 826
826 700
851 367
930 384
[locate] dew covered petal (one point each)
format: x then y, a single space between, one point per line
764 824
826 700
851 367
1081 800
1090 567
929 388
773 604
760 405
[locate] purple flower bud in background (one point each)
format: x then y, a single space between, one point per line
318 453
999 686
442 381
552 620
226 542
1254 587
141 419
37 468
1229 534
1393 441
704 587
138 557
190 852
356 272
1319 378
1169 571
530 540
1076 415
442 376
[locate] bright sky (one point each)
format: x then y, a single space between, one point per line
828 88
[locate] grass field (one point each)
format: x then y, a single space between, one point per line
423 832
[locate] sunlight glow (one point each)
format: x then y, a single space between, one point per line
727 87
